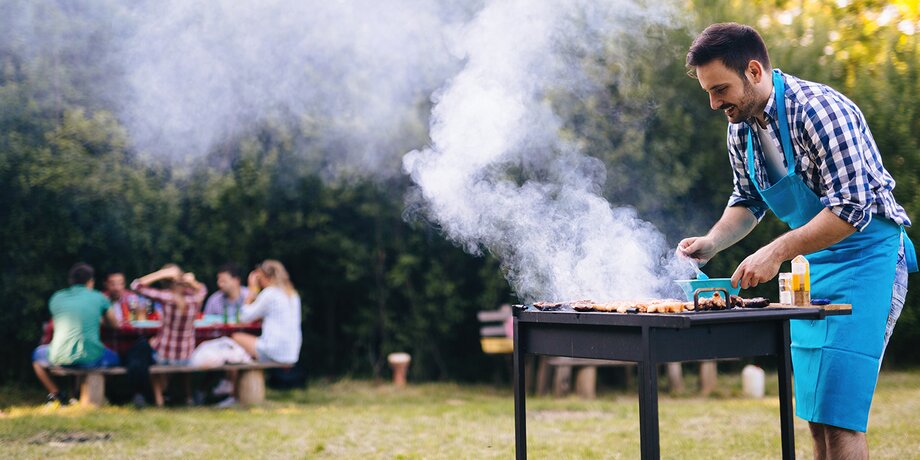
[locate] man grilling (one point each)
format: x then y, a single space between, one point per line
804 151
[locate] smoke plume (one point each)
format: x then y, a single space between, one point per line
498 176
356 72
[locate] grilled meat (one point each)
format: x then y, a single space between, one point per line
548 306
716 302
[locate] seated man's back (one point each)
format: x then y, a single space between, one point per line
77 312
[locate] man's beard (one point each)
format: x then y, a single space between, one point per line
746 107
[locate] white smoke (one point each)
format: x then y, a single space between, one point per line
356 72
498 176
186 75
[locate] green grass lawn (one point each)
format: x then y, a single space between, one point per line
358 419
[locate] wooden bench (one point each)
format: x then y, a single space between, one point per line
585 375
494 340
250 387
709 376
492 335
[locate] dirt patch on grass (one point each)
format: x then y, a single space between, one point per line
68 438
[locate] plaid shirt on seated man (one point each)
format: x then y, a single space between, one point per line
176 339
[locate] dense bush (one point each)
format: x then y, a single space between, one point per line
372 280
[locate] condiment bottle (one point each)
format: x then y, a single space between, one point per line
785 288
801 281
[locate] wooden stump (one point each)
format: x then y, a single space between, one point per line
251 387
543 372
708 377
92 389
562 381
675 378
586 382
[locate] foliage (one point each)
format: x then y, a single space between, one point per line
373 281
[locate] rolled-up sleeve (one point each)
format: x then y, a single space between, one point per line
158 295
839 155
743 192
257 309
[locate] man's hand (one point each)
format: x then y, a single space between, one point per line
823 230
698 248
759 267
735 223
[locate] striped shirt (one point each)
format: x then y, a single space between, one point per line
176 338
218 303
280 313
834 153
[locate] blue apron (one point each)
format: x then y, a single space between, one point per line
836 360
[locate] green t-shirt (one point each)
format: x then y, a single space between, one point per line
76 311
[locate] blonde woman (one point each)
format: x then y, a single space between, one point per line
272 299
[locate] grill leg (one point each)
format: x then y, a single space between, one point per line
520 415
784 373
648 410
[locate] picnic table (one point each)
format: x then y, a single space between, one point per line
208 327
121 338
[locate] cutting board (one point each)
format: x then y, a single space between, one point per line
832 306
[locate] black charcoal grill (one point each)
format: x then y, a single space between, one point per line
650 339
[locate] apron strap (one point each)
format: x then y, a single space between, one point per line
779 89
910 253
750 161
779 85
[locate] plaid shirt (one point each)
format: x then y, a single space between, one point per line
176 339
834 154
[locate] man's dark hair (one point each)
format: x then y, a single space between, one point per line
734 44
80 273
233 269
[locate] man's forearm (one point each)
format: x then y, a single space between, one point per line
824 230
820 232
736 222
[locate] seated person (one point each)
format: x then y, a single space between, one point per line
226 302
272 299
181 296
122 299
77 313
231 293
